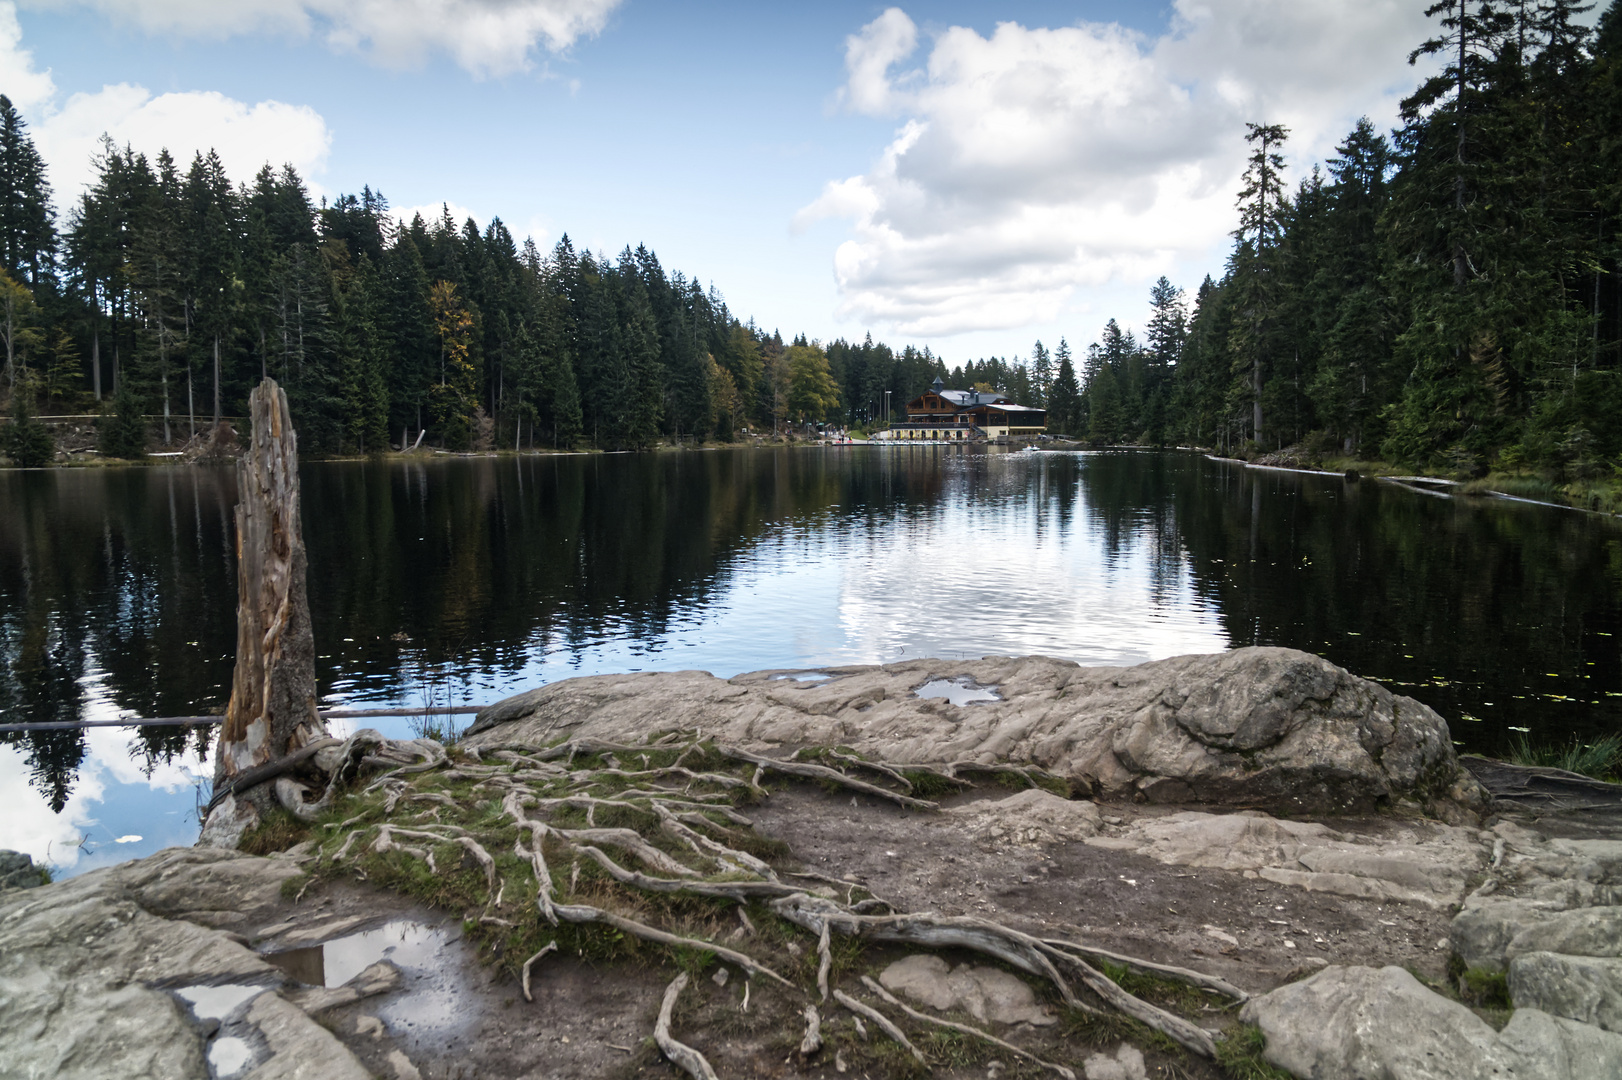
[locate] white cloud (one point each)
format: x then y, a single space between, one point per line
485 37
68 136
246 136
1036 166
27 88
869 55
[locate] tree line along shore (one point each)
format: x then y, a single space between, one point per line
1441 298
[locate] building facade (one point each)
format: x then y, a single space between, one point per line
942 415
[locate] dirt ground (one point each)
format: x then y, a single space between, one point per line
456 1017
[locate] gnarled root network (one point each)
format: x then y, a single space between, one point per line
643 830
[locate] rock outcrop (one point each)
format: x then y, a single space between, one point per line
100 975
17 871
1424 863
1258 727
1362 1021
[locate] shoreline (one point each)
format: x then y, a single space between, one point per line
1398 482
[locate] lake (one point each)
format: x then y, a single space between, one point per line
462 580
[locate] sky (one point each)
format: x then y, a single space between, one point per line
971 177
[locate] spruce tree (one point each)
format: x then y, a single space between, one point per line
1064 398
26 441
123 431
27 225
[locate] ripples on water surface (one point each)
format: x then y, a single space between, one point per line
467 579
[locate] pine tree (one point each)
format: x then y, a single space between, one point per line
212 284
454 397
1255 270
157 265
1064 398
25 440
123 431
27 227
1041 376
1164 341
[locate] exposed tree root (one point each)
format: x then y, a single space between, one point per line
681 1055
883 1022
822 772
933 931
1175 1027
684 854
873 985
825 960
550 946
585 913
812 1042
1169 971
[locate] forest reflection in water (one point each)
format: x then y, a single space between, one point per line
467 579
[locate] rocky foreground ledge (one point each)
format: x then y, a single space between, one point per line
565 895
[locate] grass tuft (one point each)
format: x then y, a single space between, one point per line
1240 1055
1601 758
1485 989
277 830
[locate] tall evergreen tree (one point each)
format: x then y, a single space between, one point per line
27 222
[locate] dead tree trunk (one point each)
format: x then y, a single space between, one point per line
272 711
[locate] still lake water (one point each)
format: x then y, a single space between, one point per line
464 580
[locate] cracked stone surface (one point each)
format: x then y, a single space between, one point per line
1260 727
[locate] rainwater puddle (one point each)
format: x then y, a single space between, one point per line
429 957
218 1002
228 1056
961 690
808 677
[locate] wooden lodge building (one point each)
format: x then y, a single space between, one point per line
946 415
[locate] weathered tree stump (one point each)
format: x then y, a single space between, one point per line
272 712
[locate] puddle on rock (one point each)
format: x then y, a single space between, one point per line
406 944
961 690
429 958
807 677
218 1002
228 1056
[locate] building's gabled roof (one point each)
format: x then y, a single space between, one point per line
968 398
1005 405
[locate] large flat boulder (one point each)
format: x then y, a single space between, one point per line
1383 1022
1259 727
1586 988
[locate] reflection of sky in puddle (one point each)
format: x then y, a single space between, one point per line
427 1003
1008 574
959 691
809 677
410 946
218 1002
228 1055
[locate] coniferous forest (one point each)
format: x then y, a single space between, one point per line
1444 296
166 293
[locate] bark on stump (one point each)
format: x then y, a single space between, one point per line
272 711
